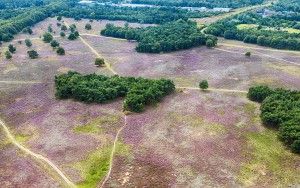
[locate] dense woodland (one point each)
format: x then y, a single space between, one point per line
93 88
200 3
280 109
163 38
268 27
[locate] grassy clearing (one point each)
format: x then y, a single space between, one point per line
96 165
289 69
95 126
250 109
270 163
246 26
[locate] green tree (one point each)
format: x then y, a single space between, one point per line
248 54
28 43
50 30
32 54
210 43
8 55
54 44
88 26
47 37
64 28
72 36
11 48
60 51
62 34
203 84
59 18
99 62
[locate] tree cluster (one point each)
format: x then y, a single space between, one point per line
163 38
280 109
138 92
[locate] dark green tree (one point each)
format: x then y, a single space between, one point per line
32 54
47 37
203 84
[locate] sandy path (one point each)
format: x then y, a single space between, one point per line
113 152
214 89
36 156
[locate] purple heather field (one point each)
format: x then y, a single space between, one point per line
190 139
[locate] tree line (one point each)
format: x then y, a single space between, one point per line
167 37
92 88
280 109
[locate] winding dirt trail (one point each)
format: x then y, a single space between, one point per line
36 156
113 152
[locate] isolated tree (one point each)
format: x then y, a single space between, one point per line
58 24
62 34
19 41
28 43
8 55
72 36
203 84
64 28
59 18
11 48
47 37
27 30
88 26
99 62
248 54
32 54
50 30
60 51
54 44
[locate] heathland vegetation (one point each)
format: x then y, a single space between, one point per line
163 38
93 88
280 109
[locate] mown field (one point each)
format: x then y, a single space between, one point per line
191 139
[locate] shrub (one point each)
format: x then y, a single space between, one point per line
203 84
8 55
64 28
259 93
59 18
248 54
47 37
72 36
296 146
54 44
32 54
28 42
88 26
11 48
62 34
99 62
60 51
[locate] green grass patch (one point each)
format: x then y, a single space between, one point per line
95 126
21 138
246 26
96 165
269 161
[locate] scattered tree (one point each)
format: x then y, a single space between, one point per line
47 37
28 43
59 18
62 34
32 54
99 62
8 55
64 28
11 48
88 26
248 54
72 36
60 51
54 44
203 84
50 30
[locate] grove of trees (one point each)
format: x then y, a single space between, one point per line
138 92
167 37
280 109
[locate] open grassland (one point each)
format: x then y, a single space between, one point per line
191 139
